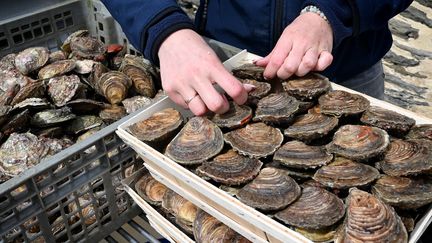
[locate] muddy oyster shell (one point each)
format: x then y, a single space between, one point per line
137 70
206 228
135 103
370 220
407 157
31 59
52 117
184 211
31 90
271 190
235 117
359 142
63 88
315 209
308 87
403 192
344 173
150 189
199 140
66 44
255 140
87 47
261 90
299 155
84 123
388 120
311 126
341 103
56 69
231 168
420 131
278 108
114 86
249 71
159 127
85 105
112 113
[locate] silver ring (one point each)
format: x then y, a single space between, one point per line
190 99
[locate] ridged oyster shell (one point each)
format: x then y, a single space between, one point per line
235 117
393 122
249 71
341 103
420 131
311 126
308 87
137 70
184 211
278 108
150 189
299 155
56 69
31 59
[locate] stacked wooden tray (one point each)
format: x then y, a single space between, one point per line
249 222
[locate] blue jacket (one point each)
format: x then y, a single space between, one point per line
360 27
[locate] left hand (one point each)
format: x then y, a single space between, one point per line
305 45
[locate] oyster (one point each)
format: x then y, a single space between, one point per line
271 190
31 90
84 123
7 96
407 157
184 211
114 86
88 211
136 69
85 105
231 168
278 108
56 69
321 235
4 114
62 89
206 228
135 103
56 56
112 113
51 132
359 142
52 117
299 155
261 90
150 189
16 123
159 127
84 66
33 104
7 62
368 219
344 173
31 59
255 140
421 131
249 71
87 48
393 122
315 209
403 192
341 103
96 72
311 126
308 87
235 117
66 44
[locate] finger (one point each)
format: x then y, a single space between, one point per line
263 61
280 52
178 99
249 87
212 99
196 105
324 60
232 86
291 63
308 63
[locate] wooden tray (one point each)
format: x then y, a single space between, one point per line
249 222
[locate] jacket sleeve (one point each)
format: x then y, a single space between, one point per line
353 17
147 23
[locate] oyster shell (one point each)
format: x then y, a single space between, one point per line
407 157
359 142
321 235
299 155
420 131
52 117
344 173
278 108
199 140
235 117
159 127
84 123
231 168
206 228
184 211
136 69
84 66
56 56
311 126
31 59
370 220
88 211
271 190
403 192
33 104
4 114
7 62
85 105
308 87
135 103
16 123
87 48
341 103
261 90
7 96
66 44
56 69
255 140
393 122
31 90
114 86
62 89
315 209
150 189
112 113
96 72
249 71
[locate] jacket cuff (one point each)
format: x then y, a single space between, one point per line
156 34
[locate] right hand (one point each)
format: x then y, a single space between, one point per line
189 68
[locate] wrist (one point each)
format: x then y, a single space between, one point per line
314 9
175 39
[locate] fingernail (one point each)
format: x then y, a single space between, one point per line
249 87
254 61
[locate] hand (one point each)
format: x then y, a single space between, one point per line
305 45
189 68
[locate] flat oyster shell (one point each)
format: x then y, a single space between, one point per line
296 154
31 59
56 69
271 190
135 103
278 108
16 123
87 47
112 113
308 87
261 90
311 126
231 168
235 117
249 71
341 103
420 131
52 117
34 89
83 123
199 140
150 189
393 122
63 88
33 104
66 44
85 106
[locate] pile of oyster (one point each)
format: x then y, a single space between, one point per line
189 218
49 100
323 162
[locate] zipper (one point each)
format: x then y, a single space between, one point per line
278 28
201 27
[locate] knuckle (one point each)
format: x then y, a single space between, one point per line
276 62
309 63
290 68
216 104
236 91
200 111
